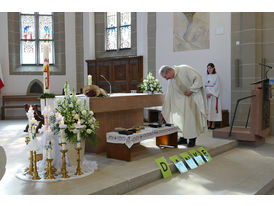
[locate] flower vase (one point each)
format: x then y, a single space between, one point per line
72 152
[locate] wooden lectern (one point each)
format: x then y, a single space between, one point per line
259 115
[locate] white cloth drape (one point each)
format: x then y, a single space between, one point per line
212 85
189 113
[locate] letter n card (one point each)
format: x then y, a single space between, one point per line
190 162
165 169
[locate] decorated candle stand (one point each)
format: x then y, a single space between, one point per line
63 143
44 170
32 146
78 148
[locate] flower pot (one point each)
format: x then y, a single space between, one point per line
72 153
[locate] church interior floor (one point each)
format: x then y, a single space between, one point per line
141 174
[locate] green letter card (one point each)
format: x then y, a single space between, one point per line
190 162
205 154
197 157
178 163
162 163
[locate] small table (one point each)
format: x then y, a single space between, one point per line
119 146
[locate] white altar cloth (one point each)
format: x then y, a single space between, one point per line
147 133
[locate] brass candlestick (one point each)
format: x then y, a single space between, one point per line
29 170
35 173
78 169
64 168
49 170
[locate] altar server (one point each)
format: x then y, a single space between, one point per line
185 102
212 85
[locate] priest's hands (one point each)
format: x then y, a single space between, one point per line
187 92
208 95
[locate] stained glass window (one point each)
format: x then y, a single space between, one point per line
28 52
27 27
45 27
125 18
125 41
41 53
35 29
118 29
125 30
111 19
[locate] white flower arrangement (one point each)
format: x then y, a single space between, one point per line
73 111
151 85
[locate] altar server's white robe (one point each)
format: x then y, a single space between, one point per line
189 113
212 85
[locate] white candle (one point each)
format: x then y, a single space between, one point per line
49 153
46 68
46 51
89 79
78 139
63 146
63 139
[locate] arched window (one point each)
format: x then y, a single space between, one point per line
36 29
118 31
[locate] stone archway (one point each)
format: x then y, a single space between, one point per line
35 87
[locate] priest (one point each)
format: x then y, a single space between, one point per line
185 102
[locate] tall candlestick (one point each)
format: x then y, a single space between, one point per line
46 68
89 79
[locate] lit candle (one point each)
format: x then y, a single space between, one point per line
46 68
89 79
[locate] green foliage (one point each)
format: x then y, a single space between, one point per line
47 96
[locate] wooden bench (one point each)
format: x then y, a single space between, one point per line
119 146
16 98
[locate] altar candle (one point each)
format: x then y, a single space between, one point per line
63 139
78 139
49 151
63 146
46 68
89 79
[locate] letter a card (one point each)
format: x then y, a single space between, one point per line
178 163
196 155
205 154
165 169
190 162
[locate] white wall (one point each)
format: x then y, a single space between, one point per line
218 53
18 84
142 39
89 40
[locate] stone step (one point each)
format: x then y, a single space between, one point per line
242 170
